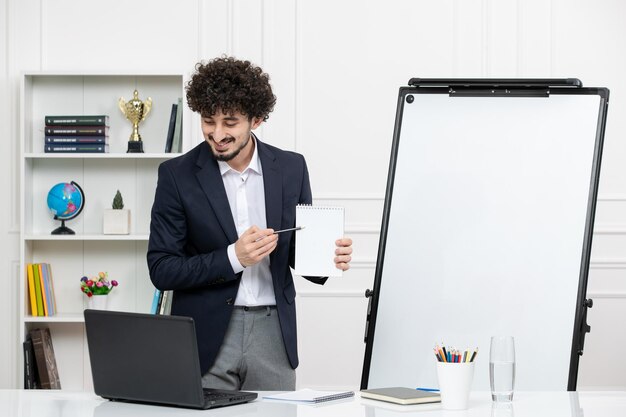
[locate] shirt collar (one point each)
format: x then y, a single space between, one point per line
254 165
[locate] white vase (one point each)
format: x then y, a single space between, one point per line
98 302
116 222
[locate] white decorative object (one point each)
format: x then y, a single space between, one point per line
116 222
98 301
116 219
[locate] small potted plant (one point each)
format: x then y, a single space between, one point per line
116 220
97 289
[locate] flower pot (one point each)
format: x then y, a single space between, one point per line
116 222
98 302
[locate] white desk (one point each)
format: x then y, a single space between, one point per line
19 403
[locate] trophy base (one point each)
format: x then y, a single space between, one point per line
135 146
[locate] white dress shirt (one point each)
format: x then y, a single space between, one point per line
246 197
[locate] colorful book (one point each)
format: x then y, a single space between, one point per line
164 298
54 299
38 293
43 269
77 130
155 301
31 290
77 148
44 297
45 359
83 120
165 303
77 139
171 128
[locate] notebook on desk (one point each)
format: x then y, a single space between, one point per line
152 359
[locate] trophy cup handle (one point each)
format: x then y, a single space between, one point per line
147 106
122 105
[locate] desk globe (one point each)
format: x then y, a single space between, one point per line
65 200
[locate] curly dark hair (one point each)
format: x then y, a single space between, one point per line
230 85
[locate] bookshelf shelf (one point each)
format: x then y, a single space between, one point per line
96 237
59 318
89 251
162 156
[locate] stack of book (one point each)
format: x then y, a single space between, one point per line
162 302
41 290
40 365
77 134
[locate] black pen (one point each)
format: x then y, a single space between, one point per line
288 230
283 230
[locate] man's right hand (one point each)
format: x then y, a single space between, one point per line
255 244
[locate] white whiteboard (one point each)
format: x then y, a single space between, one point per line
485 235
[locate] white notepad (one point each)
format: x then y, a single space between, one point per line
310 396
315 243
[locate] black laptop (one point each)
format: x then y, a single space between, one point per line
151 359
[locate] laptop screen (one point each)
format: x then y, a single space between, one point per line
144 357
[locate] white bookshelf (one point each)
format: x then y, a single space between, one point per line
100 175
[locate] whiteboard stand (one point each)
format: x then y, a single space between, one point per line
487 229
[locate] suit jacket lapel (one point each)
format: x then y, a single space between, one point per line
273 184
211 182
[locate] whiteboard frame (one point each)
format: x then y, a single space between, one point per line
497 88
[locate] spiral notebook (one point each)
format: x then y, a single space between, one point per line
315 243
310 396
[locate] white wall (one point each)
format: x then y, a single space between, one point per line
336 67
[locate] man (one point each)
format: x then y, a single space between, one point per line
211 234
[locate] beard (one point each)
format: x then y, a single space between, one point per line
229 156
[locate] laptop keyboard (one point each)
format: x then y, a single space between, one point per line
217 396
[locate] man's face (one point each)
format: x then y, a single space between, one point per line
228 134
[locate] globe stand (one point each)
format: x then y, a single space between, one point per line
63 230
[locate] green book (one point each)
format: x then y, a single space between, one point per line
40 310
84 120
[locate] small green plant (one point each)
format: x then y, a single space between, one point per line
118 201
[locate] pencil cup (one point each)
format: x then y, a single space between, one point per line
455 381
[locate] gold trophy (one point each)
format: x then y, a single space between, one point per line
136 111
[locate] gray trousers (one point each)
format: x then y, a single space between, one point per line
252 356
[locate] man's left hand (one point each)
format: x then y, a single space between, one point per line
343 252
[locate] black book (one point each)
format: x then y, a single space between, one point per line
77 130
170 130
76 148
45 359
82 120
31 376
177 142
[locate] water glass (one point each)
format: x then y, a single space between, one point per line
502 368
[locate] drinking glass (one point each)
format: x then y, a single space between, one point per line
502 368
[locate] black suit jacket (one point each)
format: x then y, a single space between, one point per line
192 226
